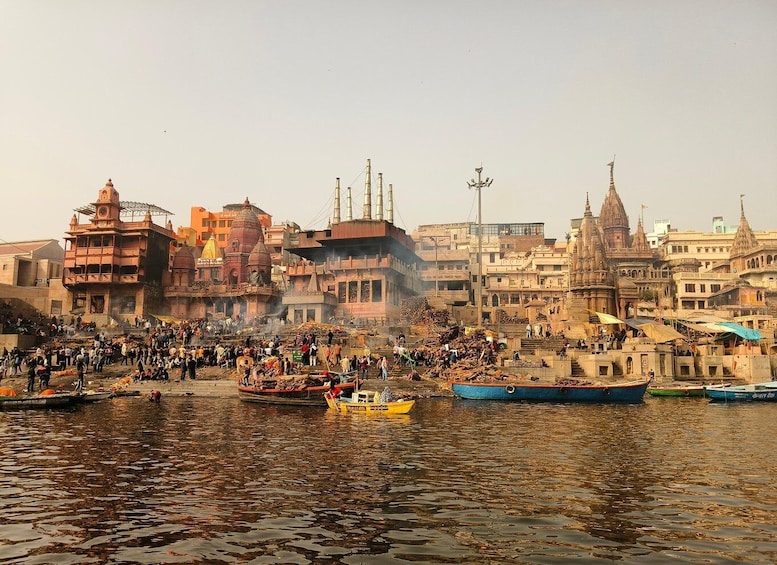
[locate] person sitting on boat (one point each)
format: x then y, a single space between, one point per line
386 395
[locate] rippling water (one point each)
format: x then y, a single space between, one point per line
219 481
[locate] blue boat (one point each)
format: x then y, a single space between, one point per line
760 392
630 392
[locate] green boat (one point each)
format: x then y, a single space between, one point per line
676 390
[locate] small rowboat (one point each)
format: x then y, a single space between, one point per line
676 390
93 395
367 402
761 392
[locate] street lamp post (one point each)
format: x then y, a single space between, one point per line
478 185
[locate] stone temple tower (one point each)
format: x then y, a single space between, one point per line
591 280
613 219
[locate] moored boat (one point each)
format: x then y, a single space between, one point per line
676 390
368 402
93 395
567 390
295 391
760 392
51 400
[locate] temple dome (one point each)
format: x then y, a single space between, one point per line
260 257
245 232
184 259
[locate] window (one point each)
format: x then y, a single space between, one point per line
714 287
222 223
491 257
690 288
341 292
702 288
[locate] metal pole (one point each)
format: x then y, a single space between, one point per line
479 170
478 185
437 269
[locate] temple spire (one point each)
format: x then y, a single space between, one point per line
744 239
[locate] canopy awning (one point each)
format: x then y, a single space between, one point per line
660 333
741 331
608 318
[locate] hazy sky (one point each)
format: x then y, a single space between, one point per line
198 103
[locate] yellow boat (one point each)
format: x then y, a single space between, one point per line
368 402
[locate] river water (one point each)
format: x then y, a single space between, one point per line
195 480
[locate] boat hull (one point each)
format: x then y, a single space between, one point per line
304 396
346 406
535 392
695 391
760 392
35 402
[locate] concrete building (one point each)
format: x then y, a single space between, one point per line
355 269
445 271
30 263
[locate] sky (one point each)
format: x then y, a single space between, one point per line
196 103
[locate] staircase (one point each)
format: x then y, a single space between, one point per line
577 370
531 344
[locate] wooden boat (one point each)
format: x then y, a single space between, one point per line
761 392
93 395
367 402
298 391
8 402
676 390
565 391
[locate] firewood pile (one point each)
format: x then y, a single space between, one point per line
503 318
474 357
417 311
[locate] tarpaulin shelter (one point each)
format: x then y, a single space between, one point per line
734 328
721 327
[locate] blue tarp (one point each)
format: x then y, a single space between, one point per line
741 331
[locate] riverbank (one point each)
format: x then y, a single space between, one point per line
211 382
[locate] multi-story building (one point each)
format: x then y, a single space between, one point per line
204 223
115 268
444 250
355 269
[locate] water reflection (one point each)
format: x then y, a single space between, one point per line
198 480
